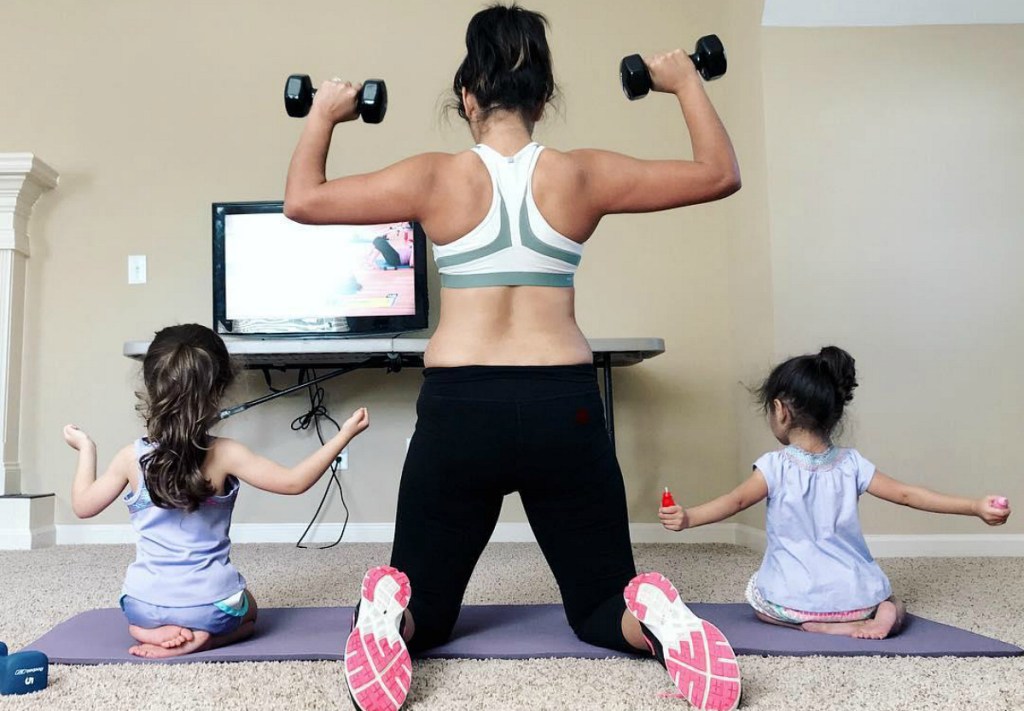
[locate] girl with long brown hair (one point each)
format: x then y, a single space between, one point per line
182 594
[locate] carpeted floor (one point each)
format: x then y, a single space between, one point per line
40 588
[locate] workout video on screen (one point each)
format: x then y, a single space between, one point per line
279 269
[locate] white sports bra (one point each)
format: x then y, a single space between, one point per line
514 245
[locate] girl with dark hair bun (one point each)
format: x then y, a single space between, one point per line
510 399
182 594
817 573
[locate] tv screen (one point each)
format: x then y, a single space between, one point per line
276 277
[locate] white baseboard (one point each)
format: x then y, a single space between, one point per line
13 539
26 522
882 546
942 545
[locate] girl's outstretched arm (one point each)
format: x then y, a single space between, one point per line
231 457
917 497
90 495
750 492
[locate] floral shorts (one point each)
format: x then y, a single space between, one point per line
798 617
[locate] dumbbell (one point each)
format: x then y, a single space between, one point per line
708 57
23 672
372 105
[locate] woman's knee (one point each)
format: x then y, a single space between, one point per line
603 626
427 637
431 628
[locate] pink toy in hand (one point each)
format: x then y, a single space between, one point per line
1001 502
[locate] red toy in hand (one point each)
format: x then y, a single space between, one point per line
666 498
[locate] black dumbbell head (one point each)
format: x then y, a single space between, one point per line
298 95
709 57
373 100
636 80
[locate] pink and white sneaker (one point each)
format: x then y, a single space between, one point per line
696 654
378 669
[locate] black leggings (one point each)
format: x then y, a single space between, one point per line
483 432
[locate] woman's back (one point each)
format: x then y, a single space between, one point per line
504 324
450 195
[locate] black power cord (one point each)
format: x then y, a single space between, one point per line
317 412
314 416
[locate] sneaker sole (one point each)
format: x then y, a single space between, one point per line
378 669
698 657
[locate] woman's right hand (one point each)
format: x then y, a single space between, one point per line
671 71
337 100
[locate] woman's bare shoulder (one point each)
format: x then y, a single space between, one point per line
560 166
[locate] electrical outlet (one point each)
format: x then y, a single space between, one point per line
342 459
137 269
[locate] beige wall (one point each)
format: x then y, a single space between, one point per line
894 183
151 111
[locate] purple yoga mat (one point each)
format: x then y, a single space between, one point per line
500 632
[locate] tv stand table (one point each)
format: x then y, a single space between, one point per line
344 355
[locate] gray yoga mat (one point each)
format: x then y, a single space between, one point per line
499 632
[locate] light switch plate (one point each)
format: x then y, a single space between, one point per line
137 269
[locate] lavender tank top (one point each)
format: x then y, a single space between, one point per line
181 559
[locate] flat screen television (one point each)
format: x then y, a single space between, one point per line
275 277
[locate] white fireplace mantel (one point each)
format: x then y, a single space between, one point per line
26 520
23 178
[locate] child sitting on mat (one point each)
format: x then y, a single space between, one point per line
182 594
817 573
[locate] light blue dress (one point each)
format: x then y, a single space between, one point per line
817 559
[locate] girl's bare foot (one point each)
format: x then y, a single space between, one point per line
877 627
155 651
881 624
845 629
168 636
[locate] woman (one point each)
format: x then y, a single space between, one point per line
510 400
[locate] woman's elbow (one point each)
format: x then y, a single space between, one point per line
296 210
729 183
719 182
